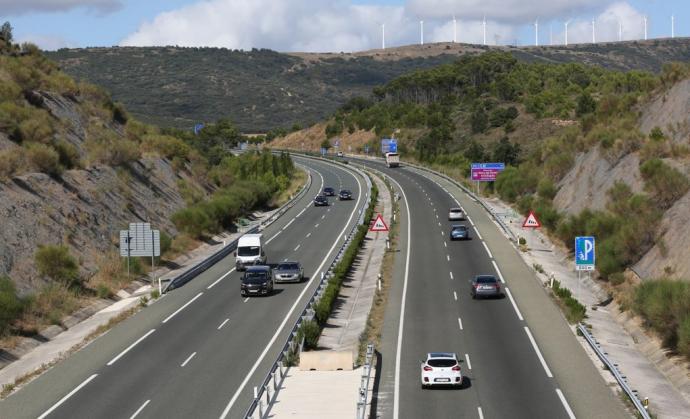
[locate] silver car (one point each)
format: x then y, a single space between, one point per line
486 286
456 214
288 272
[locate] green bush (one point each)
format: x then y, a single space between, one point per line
310 331
574 311
44 158
55 262
665 183
11 306
684 337
665 306
68 154
167 146
12 161
193 221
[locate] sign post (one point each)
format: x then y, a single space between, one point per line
585 257
140 241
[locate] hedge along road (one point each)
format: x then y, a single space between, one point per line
507 372
189 353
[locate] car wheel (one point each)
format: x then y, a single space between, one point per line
474 296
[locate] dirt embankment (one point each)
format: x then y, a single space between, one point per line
310 139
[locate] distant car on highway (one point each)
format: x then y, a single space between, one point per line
288 272
340 154
486 286
459 232
441 369
257 280
345 195
320 201
456 214
328 191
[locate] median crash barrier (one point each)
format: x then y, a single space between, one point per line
363 395
326 361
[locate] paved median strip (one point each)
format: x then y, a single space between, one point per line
129 348
70 394
183 307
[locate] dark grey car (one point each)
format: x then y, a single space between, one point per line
486 286
257 280
288 272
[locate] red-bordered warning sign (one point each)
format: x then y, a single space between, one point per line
379 224
531 221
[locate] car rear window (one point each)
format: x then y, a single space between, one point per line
441 363
486 280
455 210
288 266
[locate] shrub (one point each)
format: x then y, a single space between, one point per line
684 337
585 104
546 189
44 158
52 303
310 331
12 161
666 183
37 128
11 306
68 154
193 221
665 306
167 146
56 263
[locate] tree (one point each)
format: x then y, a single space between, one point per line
479 120
11 305
475 152
326 144
585 104
6 32
506 152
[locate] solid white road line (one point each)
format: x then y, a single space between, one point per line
296 248
188 359
455 295
478 234
568 410
140 409
536 349
498 271
183 307
221 278
487 250
70 394
470 220
469 364
512 301
396 388
481 415
323 216
223 324
308 234
232 401
114 360
460 323
451 275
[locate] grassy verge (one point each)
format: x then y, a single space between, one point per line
299 178
375 320
574 311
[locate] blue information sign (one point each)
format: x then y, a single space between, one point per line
389 145
198 128
323 151
584 253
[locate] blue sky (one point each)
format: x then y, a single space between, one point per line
329 25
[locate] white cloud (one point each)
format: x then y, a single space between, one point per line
606 26
47 42
338 25
19 7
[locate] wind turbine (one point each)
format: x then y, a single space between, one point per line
421 32
484 29
645 26
550 34
673 26
455 30
566 32
536 32
620 31
594 38
383 36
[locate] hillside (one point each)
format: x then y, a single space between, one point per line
261 89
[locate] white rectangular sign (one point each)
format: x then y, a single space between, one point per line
140 240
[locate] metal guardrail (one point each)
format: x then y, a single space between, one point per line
202 266
266 393
364 383
622 382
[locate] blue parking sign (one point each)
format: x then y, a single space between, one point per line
584 253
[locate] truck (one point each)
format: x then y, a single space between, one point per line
250 251
392 159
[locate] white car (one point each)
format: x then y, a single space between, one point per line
456 214
441 368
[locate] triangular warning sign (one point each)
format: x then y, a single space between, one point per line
531 221
379 224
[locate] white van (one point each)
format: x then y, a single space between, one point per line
250 251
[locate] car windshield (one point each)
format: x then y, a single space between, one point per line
248 251
328 189
320 198
486 280
441 362
288 267
459 228
254 277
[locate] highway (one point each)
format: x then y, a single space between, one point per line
431 310
200 349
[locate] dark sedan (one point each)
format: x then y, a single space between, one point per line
345 195
320 201
257 280
328 191
486 286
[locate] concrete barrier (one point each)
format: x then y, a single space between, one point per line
326 361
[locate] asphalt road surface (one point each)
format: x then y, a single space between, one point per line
199 350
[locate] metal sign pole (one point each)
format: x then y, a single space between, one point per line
129 249
579 297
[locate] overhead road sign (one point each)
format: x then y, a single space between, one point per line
531 221
389 145
379 224
486 172
585 253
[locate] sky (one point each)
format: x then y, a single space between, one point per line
335 25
